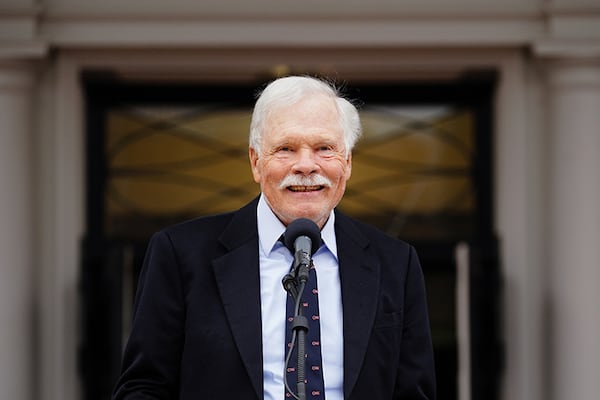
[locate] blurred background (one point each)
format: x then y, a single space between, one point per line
481 148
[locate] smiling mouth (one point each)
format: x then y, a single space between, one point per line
305 188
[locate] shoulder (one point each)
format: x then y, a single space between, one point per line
364 233
204 225
212 229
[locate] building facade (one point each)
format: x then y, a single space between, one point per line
546 149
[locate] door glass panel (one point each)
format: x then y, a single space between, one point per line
411 171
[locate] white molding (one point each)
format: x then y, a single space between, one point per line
19 35
279 9
23 50
572 7
17 231
18 21
574 228
575 26
20 8
572 49
62 193
368 32
517 153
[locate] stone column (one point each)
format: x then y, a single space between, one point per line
573 251
16 233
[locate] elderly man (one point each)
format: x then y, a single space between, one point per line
210 315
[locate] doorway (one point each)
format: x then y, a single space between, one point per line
160 154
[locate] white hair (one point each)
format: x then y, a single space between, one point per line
287 91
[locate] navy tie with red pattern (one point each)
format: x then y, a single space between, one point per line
314 371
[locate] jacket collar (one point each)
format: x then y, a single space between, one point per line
238 280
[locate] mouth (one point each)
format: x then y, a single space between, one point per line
305 188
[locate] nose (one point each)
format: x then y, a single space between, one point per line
305 163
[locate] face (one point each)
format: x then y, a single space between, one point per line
302 168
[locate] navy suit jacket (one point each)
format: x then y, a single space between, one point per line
197 321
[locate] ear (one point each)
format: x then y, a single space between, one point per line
348 172
254 164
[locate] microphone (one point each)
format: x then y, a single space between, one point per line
303 238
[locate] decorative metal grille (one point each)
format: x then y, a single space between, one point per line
411 170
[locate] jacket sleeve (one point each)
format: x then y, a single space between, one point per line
151 360
416 374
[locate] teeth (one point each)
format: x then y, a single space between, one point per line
304 188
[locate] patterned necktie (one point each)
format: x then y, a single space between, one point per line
314 372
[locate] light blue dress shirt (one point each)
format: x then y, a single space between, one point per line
275 261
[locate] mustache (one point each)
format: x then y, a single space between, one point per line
302 180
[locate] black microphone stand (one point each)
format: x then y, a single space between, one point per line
302 237
295 287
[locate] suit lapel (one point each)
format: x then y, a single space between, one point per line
238 279
359 276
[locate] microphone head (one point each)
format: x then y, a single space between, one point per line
302 227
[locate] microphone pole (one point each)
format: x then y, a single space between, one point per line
303 238
300 326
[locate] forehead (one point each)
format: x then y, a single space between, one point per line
313 116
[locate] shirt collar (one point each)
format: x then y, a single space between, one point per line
269 226
328 235
270 229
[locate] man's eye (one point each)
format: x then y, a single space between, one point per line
283 150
